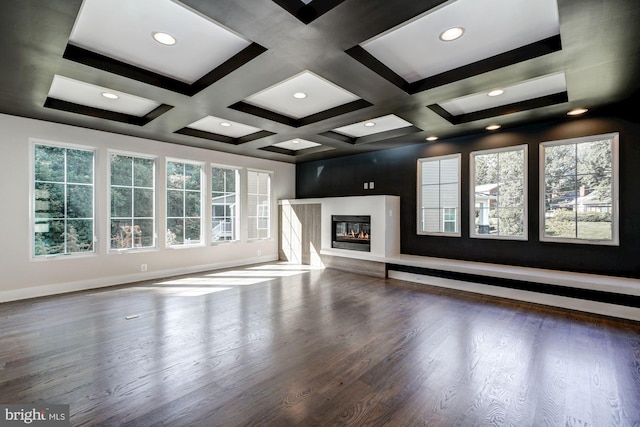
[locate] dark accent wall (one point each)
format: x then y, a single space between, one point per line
394 172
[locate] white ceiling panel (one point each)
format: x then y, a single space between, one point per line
414 51
78 92
223 127
321 95
373 126
123 30
296 144
530 89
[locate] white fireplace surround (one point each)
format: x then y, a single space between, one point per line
385 223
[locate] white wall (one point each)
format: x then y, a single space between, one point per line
22 276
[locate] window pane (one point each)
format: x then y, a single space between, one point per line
146 232
579 190
143 172
120 170
49 200
49 163
486 169
143 203
431 220
175 175
192 177
175 231
80 201
594 225
79 235
49 238
192 230
120 234
80 166
431 173
175 203
192 204
120 202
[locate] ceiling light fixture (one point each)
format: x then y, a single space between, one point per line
577 111
164 38
370 124
493 127
300 95
109 95
496 92
295 141
225 124
451 34
432 138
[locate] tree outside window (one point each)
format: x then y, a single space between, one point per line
63 200
500 193
132 202
579 190
184 203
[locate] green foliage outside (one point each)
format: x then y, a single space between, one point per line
63 202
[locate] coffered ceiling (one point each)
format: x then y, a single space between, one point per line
301 80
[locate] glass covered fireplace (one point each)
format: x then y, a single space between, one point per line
351 232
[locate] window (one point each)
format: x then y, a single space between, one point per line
439 195
225 206
63 203
579 190
132 202
259 204
500 193
184 203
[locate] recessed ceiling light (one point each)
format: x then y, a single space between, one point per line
370 124
109 95
496 92
300 95
295 141
164 38
225 124
451 34
493 127
577 111
432 138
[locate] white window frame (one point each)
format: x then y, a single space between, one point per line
472 193
419 205
203 191
257 215
155 196
239 205
615 200
32 195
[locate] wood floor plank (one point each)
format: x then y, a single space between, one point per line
281 345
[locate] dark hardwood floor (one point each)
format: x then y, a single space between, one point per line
283 345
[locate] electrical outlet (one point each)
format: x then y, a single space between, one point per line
143 267
371 185
259 252
366 185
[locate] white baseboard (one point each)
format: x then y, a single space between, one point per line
83 285
606 309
